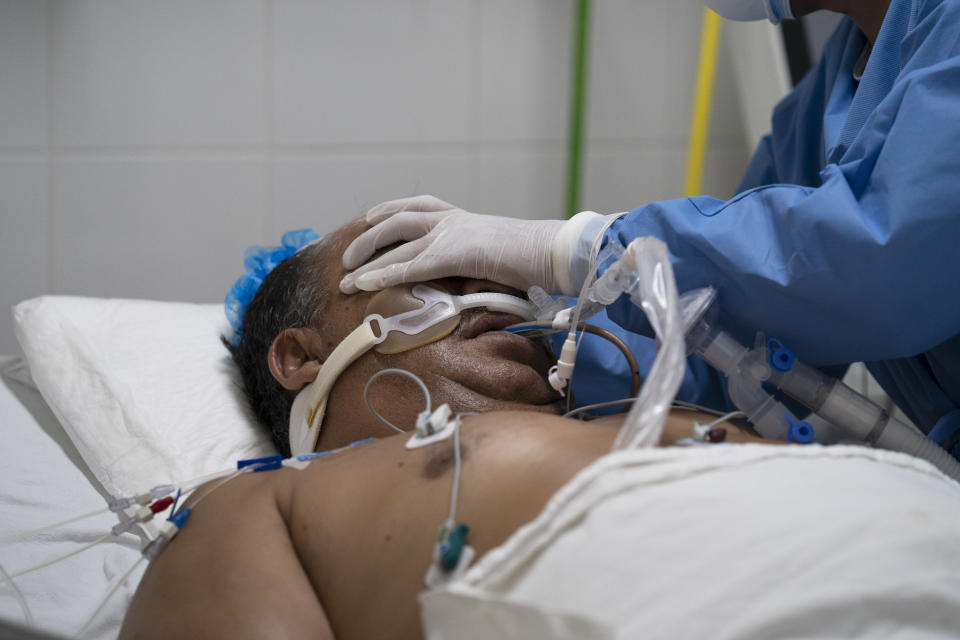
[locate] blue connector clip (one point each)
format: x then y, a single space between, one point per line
180 517
267 463
799 431
780 358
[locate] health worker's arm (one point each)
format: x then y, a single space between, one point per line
231 572
863 267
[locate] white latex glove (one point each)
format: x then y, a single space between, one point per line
442 240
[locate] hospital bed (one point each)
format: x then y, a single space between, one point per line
117 396
44 479
132 394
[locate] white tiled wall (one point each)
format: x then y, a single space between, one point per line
146 74
23 74
642 74
166 222
144 145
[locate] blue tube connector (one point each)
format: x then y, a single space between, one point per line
799 431
266 463
780 358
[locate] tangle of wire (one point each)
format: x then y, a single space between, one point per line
457 458
27 614
584 327
6 577
677 404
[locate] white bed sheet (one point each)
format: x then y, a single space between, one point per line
43 481
739 542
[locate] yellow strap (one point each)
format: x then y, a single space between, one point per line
702 99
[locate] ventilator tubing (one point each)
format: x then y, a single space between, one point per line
861 418
644 273
746 374
851 414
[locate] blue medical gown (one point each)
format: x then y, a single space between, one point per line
844 238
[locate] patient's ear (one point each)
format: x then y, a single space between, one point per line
293 358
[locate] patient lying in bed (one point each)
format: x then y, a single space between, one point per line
343 546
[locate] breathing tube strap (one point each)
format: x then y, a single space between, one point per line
306 414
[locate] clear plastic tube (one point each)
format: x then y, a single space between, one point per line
586 306
63 557
901 437
107 597
219 484
546 306
865 420
849 414
56 525
645 274
770 418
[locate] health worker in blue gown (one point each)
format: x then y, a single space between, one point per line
843 239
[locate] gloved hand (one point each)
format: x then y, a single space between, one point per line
443 240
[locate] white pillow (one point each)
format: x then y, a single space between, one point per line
145 389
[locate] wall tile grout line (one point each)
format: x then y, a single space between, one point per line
51 279
321 149
268 224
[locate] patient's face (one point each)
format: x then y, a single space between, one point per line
476 368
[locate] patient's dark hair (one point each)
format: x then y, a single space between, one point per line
292 295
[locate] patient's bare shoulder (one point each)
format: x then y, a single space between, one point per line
231 572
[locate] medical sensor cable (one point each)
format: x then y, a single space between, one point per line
457 468
598 405
561 373
110 593
27 614
452 551
692 406
153 548
119 504
677 404
725 417
105 536
245 466
403 372
29 534
143 498
455 487
144 514
607 335
222 482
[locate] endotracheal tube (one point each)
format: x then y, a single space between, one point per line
643 272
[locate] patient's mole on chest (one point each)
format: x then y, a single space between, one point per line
442 459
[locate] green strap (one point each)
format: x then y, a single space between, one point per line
577 97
